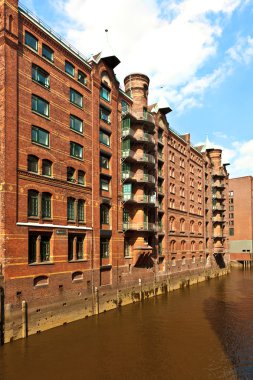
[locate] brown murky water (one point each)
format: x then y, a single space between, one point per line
204 332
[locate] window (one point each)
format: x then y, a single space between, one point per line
104 184
47 53
172 224
46 205
70 174
40 105
104 214
124 106
33 203
75 247
46 168
76 98
105 115
183 260
182 225
71 209
31 41
193 260
81 175
231 193
80 210
69 68
105 93
39 247
104 248
76 124
104 161
192 245
104 138
40 76
32 163
76 150
126 247
173 261
82 78
40 136
231 231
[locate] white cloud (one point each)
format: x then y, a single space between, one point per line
239 156
242 52
169 41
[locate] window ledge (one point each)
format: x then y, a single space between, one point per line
41 115
76 158
41 85
42 263
78 261
128 257
33 217
41 145
77 132
76 105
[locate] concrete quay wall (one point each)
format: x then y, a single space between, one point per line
27 320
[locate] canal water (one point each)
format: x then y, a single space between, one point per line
202 332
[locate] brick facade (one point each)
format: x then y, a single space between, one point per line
96 190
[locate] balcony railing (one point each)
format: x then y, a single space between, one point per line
145 116
218 184
218 173
160 139
218 208
145 226
160 173
148 158
146 137
127 174
218 220
143 198
160 155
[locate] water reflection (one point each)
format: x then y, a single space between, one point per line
202 332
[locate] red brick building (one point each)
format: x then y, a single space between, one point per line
96 191
240 219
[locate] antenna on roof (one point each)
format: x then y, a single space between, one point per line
107 39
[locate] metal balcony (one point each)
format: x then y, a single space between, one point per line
145 157
144 198
160 156
218 173
145 226
144 137
218 184
218 208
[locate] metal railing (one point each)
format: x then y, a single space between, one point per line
54 34
145 226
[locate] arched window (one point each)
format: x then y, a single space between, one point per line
80 209
46 205
173 246
81 177
32 163
183 260
33 203
77 276
173 261
71 209
192 226
200 228
193 259
183 245
10 26
41 281
172 224
105 88
201 246
182 225
46 168
70 174
192 245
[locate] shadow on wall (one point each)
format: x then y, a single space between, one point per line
144 261
219 260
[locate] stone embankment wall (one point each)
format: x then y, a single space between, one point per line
28 320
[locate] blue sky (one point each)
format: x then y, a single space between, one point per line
197 53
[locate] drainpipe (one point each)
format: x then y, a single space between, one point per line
92 196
